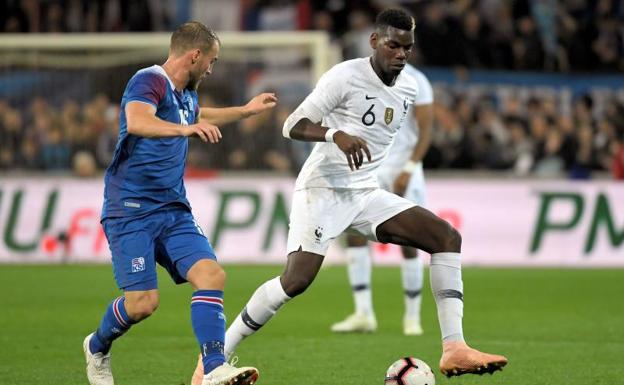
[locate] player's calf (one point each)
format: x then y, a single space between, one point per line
141 304
301 269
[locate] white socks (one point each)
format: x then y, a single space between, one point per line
447 288
262 305
412 275
359 269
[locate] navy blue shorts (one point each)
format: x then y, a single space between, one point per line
168 236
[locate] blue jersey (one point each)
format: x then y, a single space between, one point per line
146 173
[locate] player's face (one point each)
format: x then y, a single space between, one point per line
392 49
203 66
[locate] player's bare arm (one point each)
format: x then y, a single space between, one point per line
353 147
221 116
142 121
424 116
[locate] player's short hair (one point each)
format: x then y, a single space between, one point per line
193 35
396 18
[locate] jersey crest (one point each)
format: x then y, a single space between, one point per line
388 115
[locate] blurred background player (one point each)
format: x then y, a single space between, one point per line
401 173
356 104
146 216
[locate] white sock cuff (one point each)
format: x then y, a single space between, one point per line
275 292
412 275
359 267
446 259
410 263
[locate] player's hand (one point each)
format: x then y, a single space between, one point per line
205 131
353 147
400 183
260 103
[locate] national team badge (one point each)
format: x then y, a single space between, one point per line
318 234
389 115
138 264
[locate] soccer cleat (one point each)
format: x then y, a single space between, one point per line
458 358
356 323
412 327
227 374
98 365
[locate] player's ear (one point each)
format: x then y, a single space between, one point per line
373 39
195 55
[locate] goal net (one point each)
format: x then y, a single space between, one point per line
71 84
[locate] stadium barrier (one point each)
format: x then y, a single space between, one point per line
503 222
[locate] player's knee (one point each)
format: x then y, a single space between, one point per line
207 274
452 240
217 277
142 307
295 285
356 241
409 252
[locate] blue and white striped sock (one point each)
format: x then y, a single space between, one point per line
209 326
113 325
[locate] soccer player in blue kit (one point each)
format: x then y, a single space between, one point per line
146 216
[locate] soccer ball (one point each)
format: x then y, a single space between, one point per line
409 371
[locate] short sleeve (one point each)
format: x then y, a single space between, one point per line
425 91
147 87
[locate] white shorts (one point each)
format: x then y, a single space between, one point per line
415 192
319 215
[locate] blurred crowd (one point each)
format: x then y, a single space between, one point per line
534 135
528 137
73 136
573 35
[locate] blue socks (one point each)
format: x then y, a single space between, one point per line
114 324
206 316
209 326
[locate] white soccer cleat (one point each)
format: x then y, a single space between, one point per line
227 374
412 327
98 365
356 323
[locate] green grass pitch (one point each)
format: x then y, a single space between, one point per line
559 327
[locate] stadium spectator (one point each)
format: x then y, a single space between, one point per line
259 133
55 154
355 41
84 165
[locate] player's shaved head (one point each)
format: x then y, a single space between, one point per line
192 35
395 18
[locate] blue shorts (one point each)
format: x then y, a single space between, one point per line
168 236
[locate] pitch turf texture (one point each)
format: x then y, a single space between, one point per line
560 327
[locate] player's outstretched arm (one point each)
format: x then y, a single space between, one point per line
353 147
220 116
142 121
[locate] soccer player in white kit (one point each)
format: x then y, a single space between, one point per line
401 173
355 110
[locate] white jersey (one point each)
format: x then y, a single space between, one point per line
351 97
406 139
